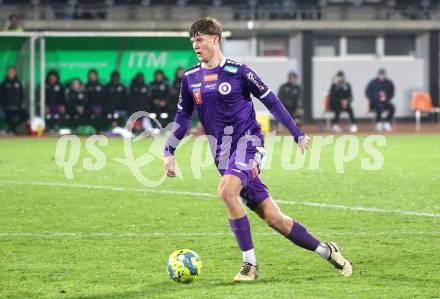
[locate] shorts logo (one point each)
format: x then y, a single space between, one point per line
224 88
212 77
255 170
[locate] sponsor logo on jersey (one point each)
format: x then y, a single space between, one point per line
224 88
197 96
231 69
211 86
251 76
232 62
196 85
212 77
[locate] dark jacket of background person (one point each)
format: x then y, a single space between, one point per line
338 92
160 94
55 93
77 102
116 97
11 100
377 89
291 96
11 94
139 94
177 83
95 94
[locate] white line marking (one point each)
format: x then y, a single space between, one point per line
210 196
183 234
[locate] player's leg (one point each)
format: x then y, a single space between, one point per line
293 230
390 107
335 122
379 109
229 189
353 126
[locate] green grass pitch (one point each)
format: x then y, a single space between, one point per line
86 241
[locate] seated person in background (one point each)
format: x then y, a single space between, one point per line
139 95
116 99
380 92
175 87
11 100
340 96
290 93
160 99
77 103
95 96
55 100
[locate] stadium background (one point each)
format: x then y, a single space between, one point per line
315 38
103 234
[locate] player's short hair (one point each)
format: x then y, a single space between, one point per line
206 25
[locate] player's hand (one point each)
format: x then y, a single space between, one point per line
169 164
303 143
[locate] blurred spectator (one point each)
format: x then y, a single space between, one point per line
175 87
290 93
55 100
78 106
380 92
139 96
95 96
116 99
341 96
11 100
13 26
160 96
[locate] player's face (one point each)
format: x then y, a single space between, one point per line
205 46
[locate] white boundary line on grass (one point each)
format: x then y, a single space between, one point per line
210 195
182 234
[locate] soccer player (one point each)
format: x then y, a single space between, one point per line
220 89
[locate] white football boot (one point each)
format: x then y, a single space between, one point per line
336 128
379 126
338 261
353 128
248 272
387 127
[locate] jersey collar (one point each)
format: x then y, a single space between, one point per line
222 63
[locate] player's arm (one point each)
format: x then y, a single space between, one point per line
274 105
185 108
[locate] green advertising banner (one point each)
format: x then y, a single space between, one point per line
14 51
73 57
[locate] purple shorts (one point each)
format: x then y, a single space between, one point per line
247 168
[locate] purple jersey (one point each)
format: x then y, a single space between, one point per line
222 97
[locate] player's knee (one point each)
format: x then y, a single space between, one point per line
275 220
224 192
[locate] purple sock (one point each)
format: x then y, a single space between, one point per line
242 231
301 237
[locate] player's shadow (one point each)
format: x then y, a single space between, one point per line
169 289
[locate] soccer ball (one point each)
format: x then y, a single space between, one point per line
184 266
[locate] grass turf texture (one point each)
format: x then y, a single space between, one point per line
125 237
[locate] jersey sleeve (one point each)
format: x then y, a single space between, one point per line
260 90
185 109
254 84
